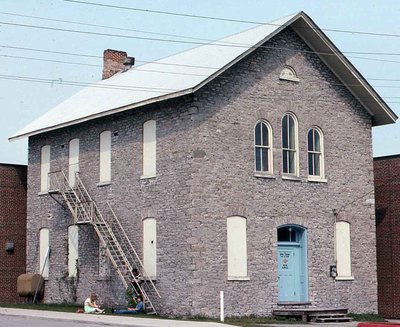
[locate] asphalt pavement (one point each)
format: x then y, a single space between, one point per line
11 317
92 319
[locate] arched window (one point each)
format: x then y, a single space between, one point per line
44 250
289 145
237 247
343 250
149 149
73 160
262 147
315 153
73 250
105 157
44 167
150 247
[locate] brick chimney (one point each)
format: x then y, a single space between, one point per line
115 61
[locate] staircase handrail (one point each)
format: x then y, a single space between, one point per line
147 277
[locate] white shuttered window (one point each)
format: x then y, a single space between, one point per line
105 157
237 247
44 243
73 160
150 247
343 250
72 250
149 149
44 167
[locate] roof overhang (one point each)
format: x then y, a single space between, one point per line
344 70
303 25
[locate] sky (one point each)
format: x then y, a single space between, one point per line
21 101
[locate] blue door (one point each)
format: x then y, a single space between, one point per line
292 265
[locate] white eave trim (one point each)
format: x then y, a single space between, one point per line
103 114
359 81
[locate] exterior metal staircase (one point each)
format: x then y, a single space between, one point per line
119 248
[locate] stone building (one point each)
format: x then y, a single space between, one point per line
242 166
387 188
12 229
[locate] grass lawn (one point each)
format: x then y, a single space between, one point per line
366 317
244 321
48 307
260 321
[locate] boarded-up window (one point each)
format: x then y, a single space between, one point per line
149 149
150 247
44 243
105 157
73 160
44 167
237 247
72 250
104 262
343 251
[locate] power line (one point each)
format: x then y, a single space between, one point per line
173 35
60 81
153 62
148 70
217 43
171 13
75 83
94 56
49 60
104 26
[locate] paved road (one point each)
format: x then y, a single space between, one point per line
14 321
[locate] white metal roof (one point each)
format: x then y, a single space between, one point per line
186 72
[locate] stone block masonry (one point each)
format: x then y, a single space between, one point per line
13 180
205 173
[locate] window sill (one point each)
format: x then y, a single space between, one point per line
238 278
317 180
291 178
344 278
41 193
148 177
101 184
264 175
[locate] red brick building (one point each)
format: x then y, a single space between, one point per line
12 230
387 197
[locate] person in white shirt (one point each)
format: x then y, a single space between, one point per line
90 305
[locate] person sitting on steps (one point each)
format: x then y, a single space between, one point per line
139 308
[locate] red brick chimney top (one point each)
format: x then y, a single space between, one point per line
115 61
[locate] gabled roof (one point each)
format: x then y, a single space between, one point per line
188 71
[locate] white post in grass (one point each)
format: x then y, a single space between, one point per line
222 305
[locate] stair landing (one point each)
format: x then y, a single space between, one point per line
315 314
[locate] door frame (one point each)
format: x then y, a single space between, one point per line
302 244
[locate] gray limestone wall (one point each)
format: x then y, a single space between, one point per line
205 173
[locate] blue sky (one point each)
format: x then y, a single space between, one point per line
21 101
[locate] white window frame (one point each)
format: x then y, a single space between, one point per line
44 167
149 169
269 148
321 154
236 230
105 157
296 145
73 250
150 247
343 250
44 243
